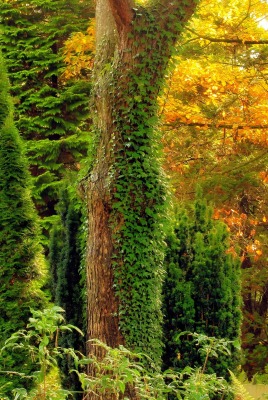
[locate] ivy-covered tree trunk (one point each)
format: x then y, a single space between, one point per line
125 195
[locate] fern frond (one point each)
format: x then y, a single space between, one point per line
240 392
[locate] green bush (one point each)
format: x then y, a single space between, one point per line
201 290
39 341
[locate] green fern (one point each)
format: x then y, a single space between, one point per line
239 390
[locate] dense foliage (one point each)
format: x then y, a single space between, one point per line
115 373
51 113
214 130
21 259
138 201
201 289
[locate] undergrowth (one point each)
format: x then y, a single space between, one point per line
118 373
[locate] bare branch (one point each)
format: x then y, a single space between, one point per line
225 40
178 124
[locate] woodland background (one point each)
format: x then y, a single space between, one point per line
213 131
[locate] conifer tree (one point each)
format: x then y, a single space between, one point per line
201 290
68 281
21 259
51 114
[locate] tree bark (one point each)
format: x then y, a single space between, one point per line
133 49
102 303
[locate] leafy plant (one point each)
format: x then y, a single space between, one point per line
261 378
197 382
122 372
39 342
239 388
119 374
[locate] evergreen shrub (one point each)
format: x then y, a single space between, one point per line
22 267
201 292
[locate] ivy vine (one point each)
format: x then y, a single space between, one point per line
138 203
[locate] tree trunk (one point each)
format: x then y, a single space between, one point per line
125 195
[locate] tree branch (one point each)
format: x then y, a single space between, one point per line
178 124
225 40
168 11
122 13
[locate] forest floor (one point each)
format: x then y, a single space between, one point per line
258 391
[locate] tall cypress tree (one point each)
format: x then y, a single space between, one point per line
201 290
21 259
